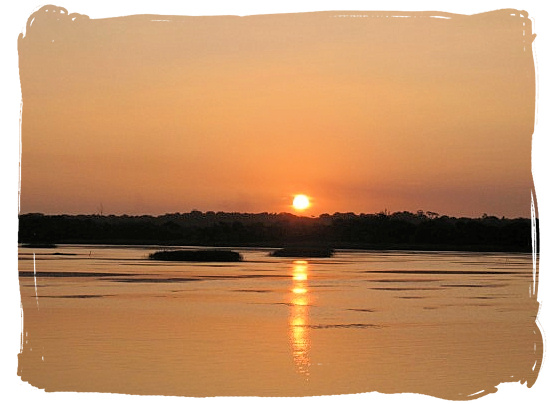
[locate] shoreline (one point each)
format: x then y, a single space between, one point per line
335 246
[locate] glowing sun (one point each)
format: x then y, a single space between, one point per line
301 202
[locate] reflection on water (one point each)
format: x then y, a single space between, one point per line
299 317
450 325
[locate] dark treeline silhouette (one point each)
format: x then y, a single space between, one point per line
399 230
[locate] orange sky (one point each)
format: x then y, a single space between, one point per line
135 116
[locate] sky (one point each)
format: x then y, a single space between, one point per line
363 112
10 112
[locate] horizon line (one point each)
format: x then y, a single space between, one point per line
421 213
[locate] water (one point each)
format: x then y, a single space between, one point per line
450 325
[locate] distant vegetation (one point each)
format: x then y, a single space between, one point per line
303 252
399 230
38 245
197 256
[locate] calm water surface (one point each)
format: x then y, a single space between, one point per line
450 325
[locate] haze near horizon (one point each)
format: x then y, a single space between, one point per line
360 111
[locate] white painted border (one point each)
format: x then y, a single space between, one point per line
14 17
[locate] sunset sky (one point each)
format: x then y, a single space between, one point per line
360 111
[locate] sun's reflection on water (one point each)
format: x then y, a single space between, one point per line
299 317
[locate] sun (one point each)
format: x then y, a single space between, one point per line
301 202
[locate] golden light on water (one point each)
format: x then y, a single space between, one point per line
299 318
299 270
300 300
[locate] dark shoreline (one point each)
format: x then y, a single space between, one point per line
382 231
373 247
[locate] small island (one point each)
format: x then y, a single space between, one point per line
197 256
303 252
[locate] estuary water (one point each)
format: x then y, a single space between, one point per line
446 324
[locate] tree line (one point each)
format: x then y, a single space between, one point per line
384 230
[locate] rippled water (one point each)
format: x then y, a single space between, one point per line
107 319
